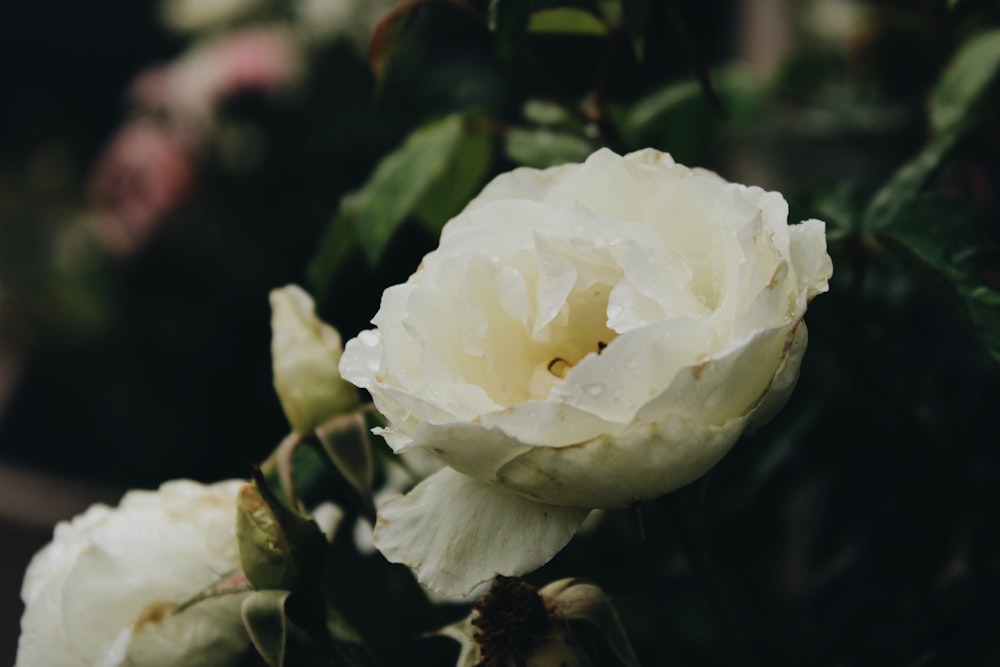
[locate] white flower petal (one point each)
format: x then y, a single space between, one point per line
473 449
457 532
784 379
813 267
641 463
708 392
548 423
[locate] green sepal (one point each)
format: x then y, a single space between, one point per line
345 441
279 548
279 640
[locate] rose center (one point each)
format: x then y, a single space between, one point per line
580 329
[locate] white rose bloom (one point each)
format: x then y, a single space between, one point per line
587 336
103 593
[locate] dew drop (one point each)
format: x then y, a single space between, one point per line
594 389
370 337
615 310
373 364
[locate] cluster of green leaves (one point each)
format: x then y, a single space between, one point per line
943 232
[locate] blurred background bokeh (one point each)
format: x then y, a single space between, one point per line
163 165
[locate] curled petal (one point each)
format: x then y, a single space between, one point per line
457 532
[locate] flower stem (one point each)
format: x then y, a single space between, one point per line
708 578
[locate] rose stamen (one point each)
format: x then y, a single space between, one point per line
559 367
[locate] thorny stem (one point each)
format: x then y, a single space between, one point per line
711 585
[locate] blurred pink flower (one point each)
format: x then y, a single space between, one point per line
145 173
190 90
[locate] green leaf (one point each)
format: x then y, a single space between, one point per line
677 118
611 9
400 182
947 237
566 20
279 548
345 440
468 167
544 148
508 19
386 37
963 83
909 181
543 112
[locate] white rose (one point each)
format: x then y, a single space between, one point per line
305 353
103 593
587 336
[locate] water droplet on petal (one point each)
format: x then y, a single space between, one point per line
370 337
615 310
594 389
373 364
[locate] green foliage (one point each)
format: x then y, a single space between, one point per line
566 20
678 118
948 238
468 167
944 234
432 175
545 148
910 181
401 181
964 82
